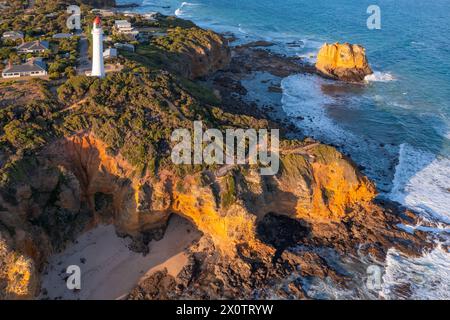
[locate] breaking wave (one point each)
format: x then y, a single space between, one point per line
379 77
421 182
305 101
425 277
180 12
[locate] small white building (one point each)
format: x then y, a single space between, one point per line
124 27
107 12
32 68
104 12
110 53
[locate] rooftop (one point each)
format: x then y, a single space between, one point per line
110 52
62 35
97 21
32 65
122 24
34 45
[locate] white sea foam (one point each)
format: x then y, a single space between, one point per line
378 76
422 182
328 290
180 12
304 95
242 30
310 57
425 277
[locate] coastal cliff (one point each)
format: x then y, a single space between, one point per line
98 151
78 185
199 52
347 62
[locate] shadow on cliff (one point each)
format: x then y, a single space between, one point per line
281 232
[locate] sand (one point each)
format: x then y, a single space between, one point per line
109 270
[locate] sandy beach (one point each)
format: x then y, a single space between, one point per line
109 270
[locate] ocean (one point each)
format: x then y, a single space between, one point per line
396 126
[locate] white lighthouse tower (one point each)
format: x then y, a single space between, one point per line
98 68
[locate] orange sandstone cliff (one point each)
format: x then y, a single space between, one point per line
78 184
347 62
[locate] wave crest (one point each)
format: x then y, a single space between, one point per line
179 12
378 76
421 182
425 277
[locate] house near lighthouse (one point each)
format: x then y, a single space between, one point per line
98 66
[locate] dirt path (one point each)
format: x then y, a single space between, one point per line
84 64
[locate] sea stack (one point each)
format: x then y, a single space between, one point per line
98 68
346 62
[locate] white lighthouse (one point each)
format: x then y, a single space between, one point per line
98 68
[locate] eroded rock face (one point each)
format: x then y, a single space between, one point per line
204 53
209 57
288 254
78 184
320 185
347 62
19 278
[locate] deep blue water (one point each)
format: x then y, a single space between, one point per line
397 125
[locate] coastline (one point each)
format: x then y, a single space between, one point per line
102 192
331 116
255 81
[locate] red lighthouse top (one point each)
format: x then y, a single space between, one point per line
97 21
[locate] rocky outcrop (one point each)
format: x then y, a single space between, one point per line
198 52
282 264
320 185
247 59
347 62
208 57
77 183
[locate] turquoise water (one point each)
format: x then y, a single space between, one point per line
397 125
